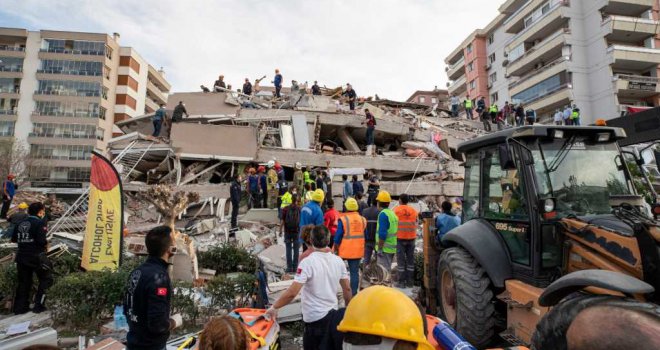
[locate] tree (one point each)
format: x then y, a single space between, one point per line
15 159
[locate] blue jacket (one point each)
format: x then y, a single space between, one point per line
160 114
445 223
357 187
278 80
9 187
311 214
383 226
253 183
348 189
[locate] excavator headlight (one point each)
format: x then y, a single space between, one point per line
603 136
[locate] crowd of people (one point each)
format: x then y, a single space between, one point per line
509 115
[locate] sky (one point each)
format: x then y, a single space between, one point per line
385 47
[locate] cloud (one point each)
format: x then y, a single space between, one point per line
389 47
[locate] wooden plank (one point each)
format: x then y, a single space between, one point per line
310 158
423 188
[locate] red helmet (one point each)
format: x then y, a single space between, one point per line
261 169
11 176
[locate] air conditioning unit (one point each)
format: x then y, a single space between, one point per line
490 85
448 84
506 54
488 66
505 63
447 69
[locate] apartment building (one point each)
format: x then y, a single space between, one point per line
61 92
546 54
430 98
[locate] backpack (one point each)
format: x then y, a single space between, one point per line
292 219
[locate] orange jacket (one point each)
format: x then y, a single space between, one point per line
407 222
352 241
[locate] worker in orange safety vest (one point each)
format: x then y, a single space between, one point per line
405 244
349 240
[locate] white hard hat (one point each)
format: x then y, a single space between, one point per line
298 165
271 163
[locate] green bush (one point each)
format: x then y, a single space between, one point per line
227 258
8 280
230 292
83 300
183 303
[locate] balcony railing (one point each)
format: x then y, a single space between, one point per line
618 18
68 93
7 112
70 72
532 24
637 78
74 52
520 9
457 83
546 94
11 48
639 49
9 91
455 65
66 114
63 136
540 45
535 72
17 69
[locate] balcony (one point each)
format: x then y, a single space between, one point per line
551 100
148 102
515 24
15 69
633 58
77 114
624 29
545 51
68 93
633 8
8 111
538 75
456 70
458 86
636 86
156 93
8 92
12 48
70 72
74 52
157 78
541 28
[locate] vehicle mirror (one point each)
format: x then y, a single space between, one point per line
506 157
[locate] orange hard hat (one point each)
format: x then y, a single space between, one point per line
251 171
601 122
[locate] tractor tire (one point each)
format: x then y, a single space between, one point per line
466 297
551 331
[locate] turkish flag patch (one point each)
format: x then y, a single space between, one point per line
161 292
298 271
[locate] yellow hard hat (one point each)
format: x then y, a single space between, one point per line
351 204
23 205
318 195
400 320
383 197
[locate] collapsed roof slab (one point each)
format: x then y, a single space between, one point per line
423 188
204 190
205 141
388 126
203 104
289 157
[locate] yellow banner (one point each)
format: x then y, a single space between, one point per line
103 232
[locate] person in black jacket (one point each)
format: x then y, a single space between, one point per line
247 87
148 295
30 234
235 196
351 95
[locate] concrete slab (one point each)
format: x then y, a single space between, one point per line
200 104
286 135
261 215
300 131
206 141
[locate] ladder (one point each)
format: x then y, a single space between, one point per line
74 220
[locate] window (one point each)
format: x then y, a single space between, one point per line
69 131
422 99
470 67
469 48
491 39
517 52
11 64
100 133
434 100
71 67
102 113
504 200
7 128
471 187
69 88
473 84
492 78
9 85
68 109
80 47
539 90
64 152
494 97
491 58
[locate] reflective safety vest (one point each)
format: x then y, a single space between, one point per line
390 241
493 109
271 179
307 179
575 114
407 228
352 242
287 199
468 103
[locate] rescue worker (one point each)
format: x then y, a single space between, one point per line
271 185
287 198
358 188
298 176
349 240
307 177
330 219
321 273
289 228
158 119
235 196
371 214
282 189
254 189
405 241
15 219
311 213
383 318
481 106
8 191
263 188
467 104
30 234
148 295
575 115
492 113
386 230
372 188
